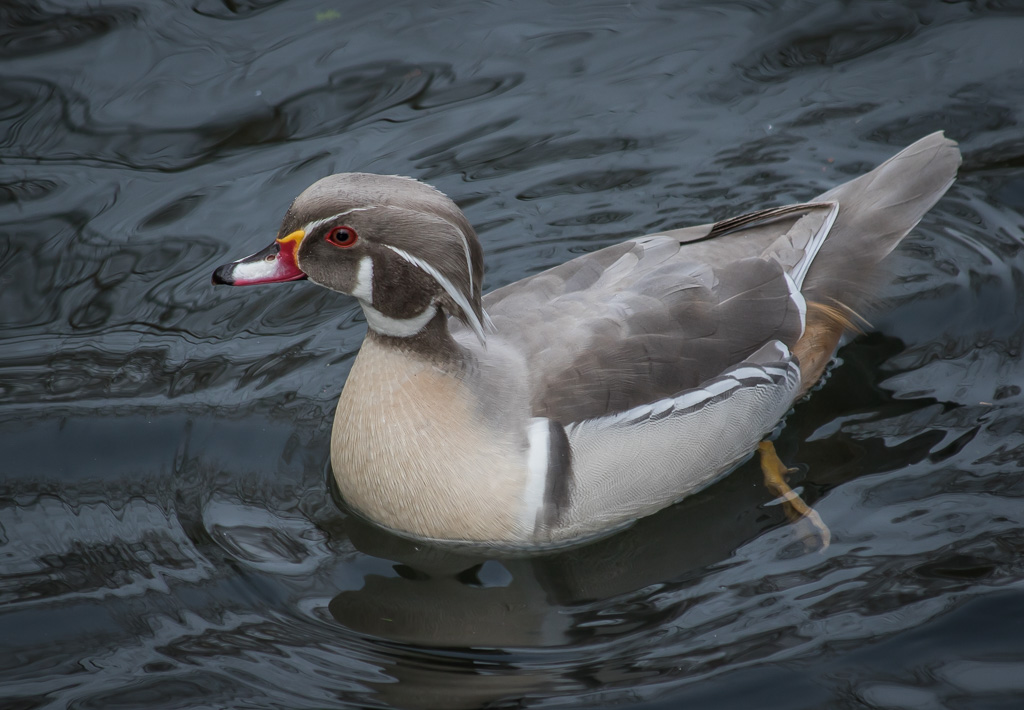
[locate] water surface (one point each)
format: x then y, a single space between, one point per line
168 534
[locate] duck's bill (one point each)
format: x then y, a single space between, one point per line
274 264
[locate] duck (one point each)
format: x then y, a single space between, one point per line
565 406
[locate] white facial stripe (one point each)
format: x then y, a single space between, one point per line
538 436
469 261
397 327
365 276
320 222
363 288
449 288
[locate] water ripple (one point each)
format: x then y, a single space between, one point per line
28 29
47 122
168 532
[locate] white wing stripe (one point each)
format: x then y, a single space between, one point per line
811 250
798 299
753 373
745 376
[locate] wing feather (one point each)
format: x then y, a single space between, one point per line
640 334
633 463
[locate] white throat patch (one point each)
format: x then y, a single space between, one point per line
377 321
397 327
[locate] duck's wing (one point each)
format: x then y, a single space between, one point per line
651 318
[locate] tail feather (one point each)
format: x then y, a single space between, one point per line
876 211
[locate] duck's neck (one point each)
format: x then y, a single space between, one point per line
433 342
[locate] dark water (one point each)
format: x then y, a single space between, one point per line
168 536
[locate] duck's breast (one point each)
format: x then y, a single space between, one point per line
411 451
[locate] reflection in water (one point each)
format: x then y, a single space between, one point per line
168 537
437 597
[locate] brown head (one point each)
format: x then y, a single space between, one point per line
399 246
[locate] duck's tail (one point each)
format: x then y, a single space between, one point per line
875 212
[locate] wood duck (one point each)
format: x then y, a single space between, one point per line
569 404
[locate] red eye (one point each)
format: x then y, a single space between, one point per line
343 237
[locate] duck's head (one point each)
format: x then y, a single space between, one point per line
399 246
